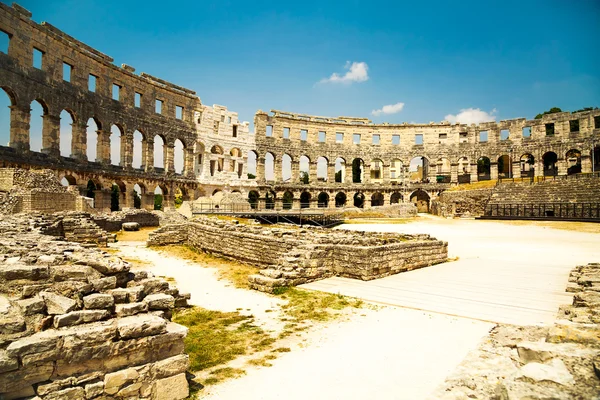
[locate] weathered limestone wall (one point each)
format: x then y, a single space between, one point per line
461 203
77 324
292 256
112 222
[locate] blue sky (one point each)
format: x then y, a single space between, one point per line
508 59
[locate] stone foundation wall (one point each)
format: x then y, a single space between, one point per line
112 222
461 203
76 323
292 256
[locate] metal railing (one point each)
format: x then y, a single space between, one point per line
570 211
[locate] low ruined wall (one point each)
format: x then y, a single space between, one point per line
292 256
112 222
47 202
78 324
461 203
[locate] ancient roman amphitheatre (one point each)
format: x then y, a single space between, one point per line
163 249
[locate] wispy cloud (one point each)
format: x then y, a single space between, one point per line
388 109
357 72
471 116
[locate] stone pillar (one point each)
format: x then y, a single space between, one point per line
188 163
99 200
347 178
260 169
296 203
19 128
329 173
144 154
147 201
126 150
277 173
473 173
127 198
386 174
516 169
493 170
148 155
454 172
79 141
312 173
51 135
103 147
169 158
167 202
586 163
539 168
331 202
561 164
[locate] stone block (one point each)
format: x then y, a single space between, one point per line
28 272
131 226
98 301
24 377
90 334
57 304
171 366
34 305
114 381
126 310
554 371
7 363
73 272
36 343
171 388
74 393
159 301
94 389
103 284
140 325
80 317
25 392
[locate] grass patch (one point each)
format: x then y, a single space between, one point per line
475 185
304 305
215 337
233 271
135 236
281 350
263 361
221 374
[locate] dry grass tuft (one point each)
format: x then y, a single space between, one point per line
222 374
304 305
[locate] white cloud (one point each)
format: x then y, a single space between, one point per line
357 72
389 109
471 116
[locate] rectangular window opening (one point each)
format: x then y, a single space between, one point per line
339 137
550 129
228 120
234 130
222 118
395 140
38 58
269 130
463 137
376 139
137 100
178 112
597 122
526 132
419 139
67 71
116 92
286 133
356 138
303 135
483 136
504 134
4 42
443 137
574 125
158 106
322 137
92 79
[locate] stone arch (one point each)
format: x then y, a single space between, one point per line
39 137
138 193
484 169
419 169
270 198
138 144
359 200
286 167
396 198
340 170
216 149
68 118
322 169
444 170
179 155
68 180
253 197
159 151
252 158
464 170
340 199
527 162
573 159
377 199
550 159
236 161
504 166
323 200
396 170
217 159
376 170
93 126
358 170
304 169
6 102
269 166
305 200
288 200
420 198
116 136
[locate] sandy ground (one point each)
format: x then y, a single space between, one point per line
384 353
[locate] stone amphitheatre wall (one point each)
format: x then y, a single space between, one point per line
461 203
293 256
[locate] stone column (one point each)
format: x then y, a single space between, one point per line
169 158
99 200
386 174
331 202
188 163
103 147
586 163
330 172
19 128
312 173
295 178
51 135
260 169
473 173
148 156
454 172
277 173
493 170
127 198
79 141
147 201
347 178
561 164
539 167
126 150
516 169
386 199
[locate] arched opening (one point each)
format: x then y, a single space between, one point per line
216 160
573 158
66 132
396 198
115 144
199 158
464 170
322 169
216 191
179 196
269 167
288 200
595 154
159 152
6 102
419 169
376 171
420 198
93 126
304 168
38 112
253 197
359 200
159 192
550 159
376 199
137 193
305 200
138 140
270 200
178 156
484 169
236 161
358 170
68 180
252 156
340 170
443 174
504 166
116 194
286 167
527 162
323 200
396 171
340 199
